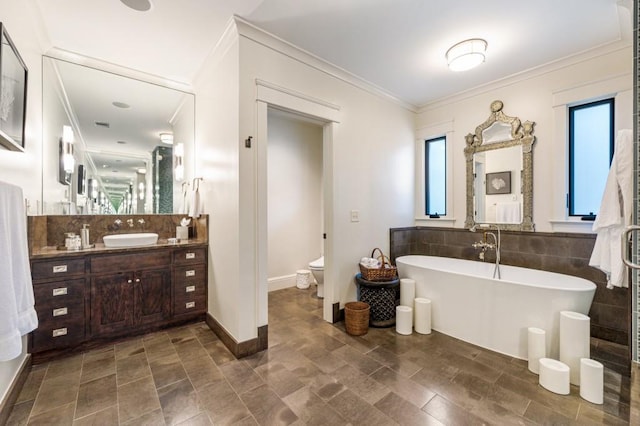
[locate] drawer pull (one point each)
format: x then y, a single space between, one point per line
190 256
190 305
60 291
59 268
190 273
59 312
190 288
59 332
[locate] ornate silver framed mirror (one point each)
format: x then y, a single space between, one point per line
499 164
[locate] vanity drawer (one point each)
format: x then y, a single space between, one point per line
42 270
193 303
130 261
189 274
189 256
60 314
59 293
58 335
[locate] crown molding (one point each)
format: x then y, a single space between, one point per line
273 42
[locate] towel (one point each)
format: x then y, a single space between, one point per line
508 213
616 212
16 289
195 202
184 199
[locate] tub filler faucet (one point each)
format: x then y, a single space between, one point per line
484 245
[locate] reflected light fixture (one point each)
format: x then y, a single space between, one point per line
167 138
467 54
67 161
179 156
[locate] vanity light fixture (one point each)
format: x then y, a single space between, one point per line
67 161
178 152
167 138
467 54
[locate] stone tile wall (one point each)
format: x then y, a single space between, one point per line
49 230
556 252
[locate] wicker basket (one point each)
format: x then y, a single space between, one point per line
387 272
356 318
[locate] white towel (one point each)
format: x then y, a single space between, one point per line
195 201
508 213
615 213
16 289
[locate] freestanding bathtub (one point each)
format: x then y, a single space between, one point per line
468 304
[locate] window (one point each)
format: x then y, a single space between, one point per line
590 153
435 176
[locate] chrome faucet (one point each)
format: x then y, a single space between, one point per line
484 245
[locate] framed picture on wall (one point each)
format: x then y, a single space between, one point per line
13 94
498 183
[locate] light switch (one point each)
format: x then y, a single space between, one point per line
355 215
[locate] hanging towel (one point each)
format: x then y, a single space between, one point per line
16 289
195 202
615 213
184 199
508 213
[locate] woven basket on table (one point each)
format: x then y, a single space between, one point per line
356 318
387 272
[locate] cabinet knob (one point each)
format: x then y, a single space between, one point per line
60 291
59 332
60 311
129 281
137 280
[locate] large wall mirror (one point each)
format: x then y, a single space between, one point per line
113 144
499 157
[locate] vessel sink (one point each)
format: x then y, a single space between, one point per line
130 240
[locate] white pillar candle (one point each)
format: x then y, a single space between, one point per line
422 315
407 292
536 348
574 341
404 320
591 381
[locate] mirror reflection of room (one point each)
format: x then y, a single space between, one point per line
113 144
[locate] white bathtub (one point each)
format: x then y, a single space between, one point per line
468 304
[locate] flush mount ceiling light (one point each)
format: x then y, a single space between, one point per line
467 54
167 138
139 5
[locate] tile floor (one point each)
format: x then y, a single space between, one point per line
313 373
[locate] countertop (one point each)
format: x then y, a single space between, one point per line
53 252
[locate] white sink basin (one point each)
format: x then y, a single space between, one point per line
130 240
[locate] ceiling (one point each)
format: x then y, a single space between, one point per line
398 46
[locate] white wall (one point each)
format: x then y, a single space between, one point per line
540 96
294 170
24 169
217 145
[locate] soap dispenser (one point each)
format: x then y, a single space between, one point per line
84 236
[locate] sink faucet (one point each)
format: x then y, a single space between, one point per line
484 245
130 223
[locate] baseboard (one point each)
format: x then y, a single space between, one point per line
14 391
278 283
240 349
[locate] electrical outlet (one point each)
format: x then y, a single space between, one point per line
355 215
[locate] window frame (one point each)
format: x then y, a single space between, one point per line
427 141
570 202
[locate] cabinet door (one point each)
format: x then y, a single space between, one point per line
111 303
152 301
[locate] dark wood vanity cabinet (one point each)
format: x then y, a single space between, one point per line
59 290
138 294
102 296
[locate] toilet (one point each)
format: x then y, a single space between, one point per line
317 270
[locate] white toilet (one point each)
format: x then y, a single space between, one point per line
317 269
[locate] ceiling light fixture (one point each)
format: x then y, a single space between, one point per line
467 54
139 5
167 138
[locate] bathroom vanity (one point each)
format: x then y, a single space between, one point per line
92 296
